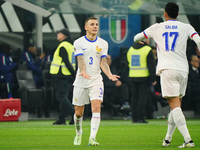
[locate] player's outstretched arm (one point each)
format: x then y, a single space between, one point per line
139 37
82 67
106 69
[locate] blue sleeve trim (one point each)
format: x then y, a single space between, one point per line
103 56
78 54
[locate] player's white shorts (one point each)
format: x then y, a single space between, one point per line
173 83
83 96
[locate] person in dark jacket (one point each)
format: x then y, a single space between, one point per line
115 93
141 64
7 68
29 55
63 74
194 84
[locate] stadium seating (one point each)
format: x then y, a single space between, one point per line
29 94
48 92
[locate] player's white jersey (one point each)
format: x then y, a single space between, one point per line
92 52
171 38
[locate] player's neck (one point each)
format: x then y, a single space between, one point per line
168 18
62 39
91 37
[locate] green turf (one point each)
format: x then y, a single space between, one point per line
112 135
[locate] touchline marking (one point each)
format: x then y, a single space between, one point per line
44 129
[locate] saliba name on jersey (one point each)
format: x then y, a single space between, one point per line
171 27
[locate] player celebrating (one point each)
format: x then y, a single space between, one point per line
91 52
171 38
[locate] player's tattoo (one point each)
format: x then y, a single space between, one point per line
105 67
81 63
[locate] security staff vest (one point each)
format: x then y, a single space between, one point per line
137 59
58 62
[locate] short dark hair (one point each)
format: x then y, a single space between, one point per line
65 32
172 9
5 48
90 18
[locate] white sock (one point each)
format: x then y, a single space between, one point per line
171 127
95 121
78 125
180 122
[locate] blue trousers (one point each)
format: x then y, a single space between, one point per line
8 79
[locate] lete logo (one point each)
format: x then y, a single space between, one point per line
11 113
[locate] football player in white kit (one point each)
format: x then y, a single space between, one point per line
91 52
171 38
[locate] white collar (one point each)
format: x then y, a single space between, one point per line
195 69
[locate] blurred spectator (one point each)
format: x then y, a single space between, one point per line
115 93
7 68
194 83
48 53
119 65
16 54
48 58
197 52
141 64
190 49
29 55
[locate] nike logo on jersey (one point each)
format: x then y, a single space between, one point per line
84 49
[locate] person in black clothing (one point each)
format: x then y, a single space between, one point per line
194 84
116 93
63 74
141 64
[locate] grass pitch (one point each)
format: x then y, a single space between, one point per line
112 135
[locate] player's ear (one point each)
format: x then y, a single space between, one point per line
165 15
85 27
